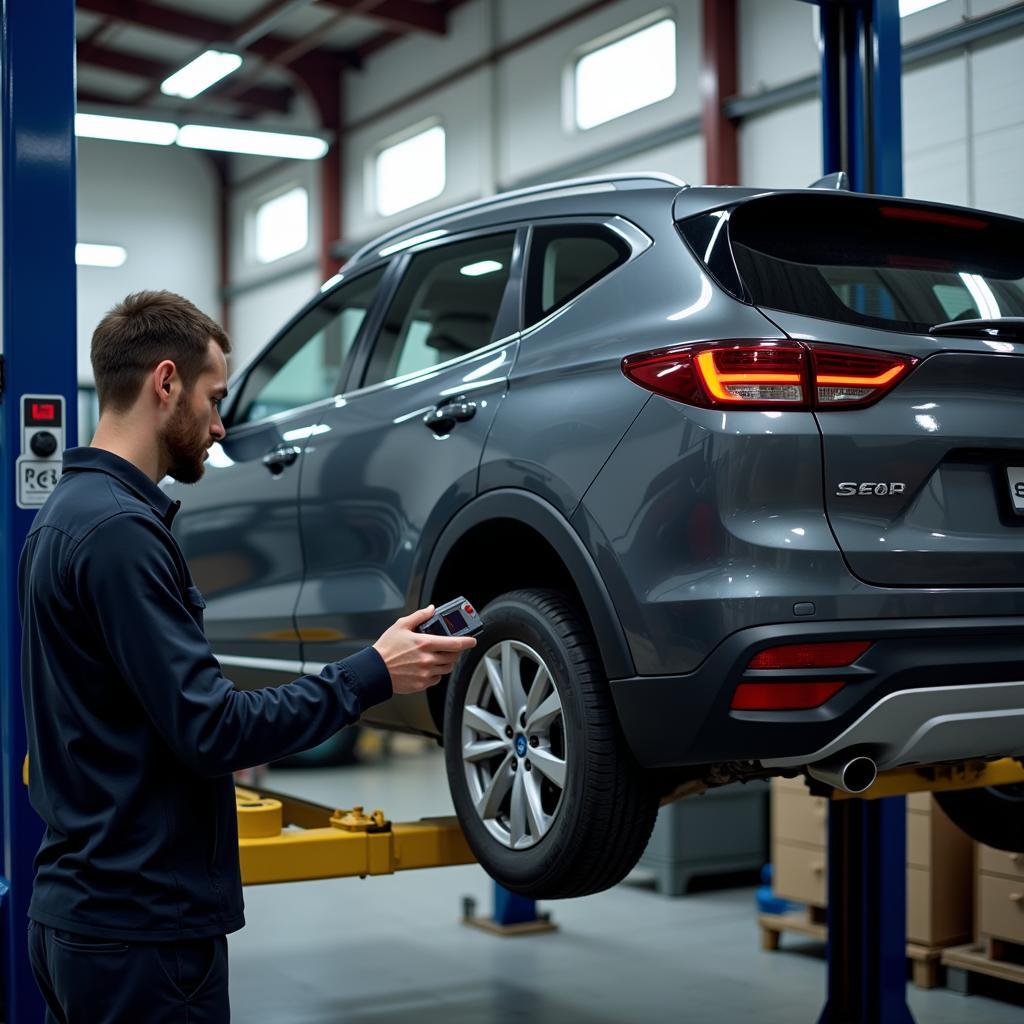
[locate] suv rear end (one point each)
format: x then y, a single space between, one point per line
825 522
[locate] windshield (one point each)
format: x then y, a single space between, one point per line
876 262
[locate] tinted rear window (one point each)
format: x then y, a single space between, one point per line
877 263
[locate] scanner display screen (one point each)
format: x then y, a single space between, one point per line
454 621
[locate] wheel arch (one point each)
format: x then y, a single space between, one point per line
548 553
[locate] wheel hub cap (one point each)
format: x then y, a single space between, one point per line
513 711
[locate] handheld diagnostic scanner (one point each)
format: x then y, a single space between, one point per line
456 618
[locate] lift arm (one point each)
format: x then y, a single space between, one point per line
284 839
936 778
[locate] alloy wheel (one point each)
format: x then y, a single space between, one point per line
514 750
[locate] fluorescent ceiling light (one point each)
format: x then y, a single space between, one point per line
125 129
254 143
913 6
198 75
201 136
89 254
481 268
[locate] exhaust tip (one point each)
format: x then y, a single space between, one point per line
859 774
853 775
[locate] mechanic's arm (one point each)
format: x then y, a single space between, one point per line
163 655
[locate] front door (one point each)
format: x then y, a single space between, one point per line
393 460
239 528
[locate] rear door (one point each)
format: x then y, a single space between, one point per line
393 459
923 487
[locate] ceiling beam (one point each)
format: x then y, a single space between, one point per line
401 15
382 39
196 27
275 100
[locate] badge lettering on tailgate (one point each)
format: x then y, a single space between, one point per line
849 489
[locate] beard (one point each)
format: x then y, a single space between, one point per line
186 443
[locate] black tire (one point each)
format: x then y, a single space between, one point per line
607 809
993 815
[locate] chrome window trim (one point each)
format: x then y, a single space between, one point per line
552 189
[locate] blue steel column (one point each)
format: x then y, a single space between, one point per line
886 114
37 55
862 134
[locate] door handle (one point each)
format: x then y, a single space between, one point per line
444 417
278 458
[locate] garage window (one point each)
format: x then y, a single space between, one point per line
447 306
565 260
626 74
410 172
280 225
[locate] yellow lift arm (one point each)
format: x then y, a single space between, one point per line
935 778
285 839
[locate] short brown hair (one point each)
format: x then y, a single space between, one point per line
139 333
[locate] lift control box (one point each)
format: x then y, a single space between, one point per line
43 424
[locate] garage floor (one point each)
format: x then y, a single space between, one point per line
390 950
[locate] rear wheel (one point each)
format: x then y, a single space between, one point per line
549 796
993 816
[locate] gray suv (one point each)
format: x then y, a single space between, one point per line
736 478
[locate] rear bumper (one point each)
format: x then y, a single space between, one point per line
927 690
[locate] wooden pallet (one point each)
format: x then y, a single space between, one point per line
993 958
925 961
809 922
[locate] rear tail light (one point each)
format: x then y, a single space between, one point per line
768 694
842 377
768 374
817 655
788 696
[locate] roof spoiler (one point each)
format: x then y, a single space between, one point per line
838 180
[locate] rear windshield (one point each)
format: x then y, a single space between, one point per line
879 263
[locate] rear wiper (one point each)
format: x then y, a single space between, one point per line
1006 326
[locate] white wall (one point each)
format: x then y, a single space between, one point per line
505 122
964 128
776 43
161 204
259 310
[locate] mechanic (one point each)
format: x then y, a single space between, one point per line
133 731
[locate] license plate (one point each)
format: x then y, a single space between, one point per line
1015 474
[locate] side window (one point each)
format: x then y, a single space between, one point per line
305 365
566 259
446 306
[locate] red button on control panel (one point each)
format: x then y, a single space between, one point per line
468 609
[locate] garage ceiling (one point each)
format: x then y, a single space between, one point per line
126 48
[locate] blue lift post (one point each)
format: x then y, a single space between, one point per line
37 64
862 135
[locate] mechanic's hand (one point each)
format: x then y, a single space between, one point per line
418 660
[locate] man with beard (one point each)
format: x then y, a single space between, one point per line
133 731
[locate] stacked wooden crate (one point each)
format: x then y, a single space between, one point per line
939 865
998 951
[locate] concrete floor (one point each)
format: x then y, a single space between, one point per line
390 950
